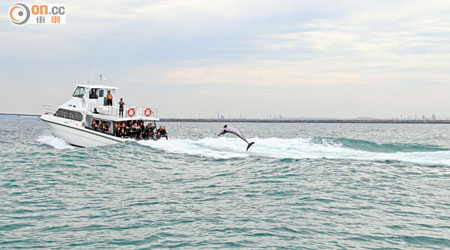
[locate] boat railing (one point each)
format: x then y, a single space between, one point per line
67 114
49 110
129 111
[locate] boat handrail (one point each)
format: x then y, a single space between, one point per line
113 111
48 109
69 116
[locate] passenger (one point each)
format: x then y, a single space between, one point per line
94 124
126 129
153 131
145 133
149 131
161 132
121 103
116 129
122 129
105 127
158 131
109 99
123 132
141 128
138 131
93 94
132 131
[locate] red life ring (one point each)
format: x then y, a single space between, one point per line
131 114
148 112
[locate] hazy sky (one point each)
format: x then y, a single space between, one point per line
253 58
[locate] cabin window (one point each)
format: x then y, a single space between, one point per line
93 94
69 114
100 93
79 92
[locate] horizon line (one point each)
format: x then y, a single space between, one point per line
286 120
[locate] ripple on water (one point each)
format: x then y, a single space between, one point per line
209 193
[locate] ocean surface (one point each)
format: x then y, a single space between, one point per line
301 186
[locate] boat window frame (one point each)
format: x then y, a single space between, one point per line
69 114
79 92
93 94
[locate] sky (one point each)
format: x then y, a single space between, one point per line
192 58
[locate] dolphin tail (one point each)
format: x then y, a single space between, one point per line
249 145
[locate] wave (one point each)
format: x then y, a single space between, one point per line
53 141
296 148
316 148
217 148
378 147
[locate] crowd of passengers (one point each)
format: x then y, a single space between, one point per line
132 129
100 126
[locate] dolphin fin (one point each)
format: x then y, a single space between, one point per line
249 145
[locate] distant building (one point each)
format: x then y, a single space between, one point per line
433 117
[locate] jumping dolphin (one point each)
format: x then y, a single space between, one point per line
228 129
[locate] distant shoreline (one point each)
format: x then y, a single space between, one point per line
7 114
387 121
391 121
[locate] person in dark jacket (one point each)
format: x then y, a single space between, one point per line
121 104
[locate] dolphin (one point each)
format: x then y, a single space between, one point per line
235 131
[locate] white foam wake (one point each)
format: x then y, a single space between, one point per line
225 148
208 147
53 141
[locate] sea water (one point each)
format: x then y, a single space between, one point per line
300 186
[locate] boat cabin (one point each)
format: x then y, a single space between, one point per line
92 100
94 95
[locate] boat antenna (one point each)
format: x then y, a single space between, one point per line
90 68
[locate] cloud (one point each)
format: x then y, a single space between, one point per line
189 45
330 37
338 70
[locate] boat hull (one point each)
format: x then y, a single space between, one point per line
75 134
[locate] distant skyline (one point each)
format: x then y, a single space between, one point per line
336 59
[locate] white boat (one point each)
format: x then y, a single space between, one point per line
74 120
